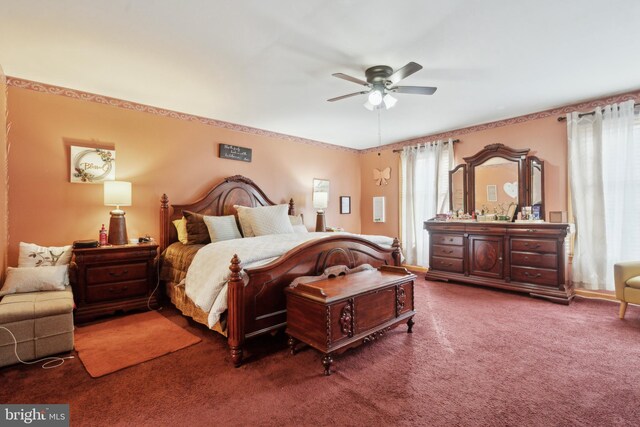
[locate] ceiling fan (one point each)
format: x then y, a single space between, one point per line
381 81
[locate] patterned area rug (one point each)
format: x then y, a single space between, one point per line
116 344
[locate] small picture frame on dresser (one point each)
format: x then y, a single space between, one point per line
345 204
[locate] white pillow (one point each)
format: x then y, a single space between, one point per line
243 217
298 224
32 255
265 220
32 279
296 219
222 227
300 228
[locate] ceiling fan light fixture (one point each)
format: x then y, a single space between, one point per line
389 101
375 97
369 106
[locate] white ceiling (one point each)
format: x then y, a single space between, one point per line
268 64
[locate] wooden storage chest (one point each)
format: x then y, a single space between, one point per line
332 315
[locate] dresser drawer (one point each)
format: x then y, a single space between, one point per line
534 231
116 273
530 259
447 239
115 291
538 276
534 245
448 251
447 264
485 229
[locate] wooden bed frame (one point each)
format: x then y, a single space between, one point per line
260 306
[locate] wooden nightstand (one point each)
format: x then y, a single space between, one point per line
112 278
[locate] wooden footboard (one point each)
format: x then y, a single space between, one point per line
260 306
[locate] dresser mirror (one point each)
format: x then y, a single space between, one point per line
498 178
496 185
535 175
458 188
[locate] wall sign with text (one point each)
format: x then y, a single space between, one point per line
234 152
92 165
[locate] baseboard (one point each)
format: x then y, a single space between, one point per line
417 268
595 294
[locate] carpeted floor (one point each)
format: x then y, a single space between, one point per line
476 357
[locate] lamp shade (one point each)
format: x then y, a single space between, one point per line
375 97
320 199
117 193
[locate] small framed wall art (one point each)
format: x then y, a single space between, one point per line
345 204
92 165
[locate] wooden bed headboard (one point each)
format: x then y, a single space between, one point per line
219 201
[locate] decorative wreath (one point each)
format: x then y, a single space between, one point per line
87 176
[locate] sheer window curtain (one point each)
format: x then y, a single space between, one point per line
604 173
425 192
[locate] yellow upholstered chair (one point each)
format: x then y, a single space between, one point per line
627 279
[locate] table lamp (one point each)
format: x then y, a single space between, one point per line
320 202
117 193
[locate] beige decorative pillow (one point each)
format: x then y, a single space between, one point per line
222 228
243 218
265 220
33 279
181 228
197 232
32 255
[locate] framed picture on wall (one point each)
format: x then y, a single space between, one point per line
92 165
492 193
345 204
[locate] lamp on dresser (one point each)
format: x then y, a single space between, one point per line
117 193
320 202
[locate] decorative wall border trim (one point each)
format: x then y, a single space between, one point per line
128 105
134 106
582 106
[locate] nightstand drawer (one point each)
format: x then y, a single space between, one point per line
116 273
115 291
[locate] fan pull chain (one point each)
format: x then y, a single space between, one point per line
379 133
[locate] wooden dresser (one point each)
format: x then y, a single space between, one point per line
335 314
112 278
523 257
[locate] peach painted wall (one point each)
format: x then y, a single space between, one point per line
545 137
368 162
3 176
158 155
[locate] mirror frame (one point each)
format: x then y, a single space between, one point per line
464 186
489 152
530 161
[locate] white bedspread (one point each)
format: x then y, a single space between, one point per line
206 281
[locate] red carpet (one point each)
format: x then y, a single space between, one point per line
477 357
116 344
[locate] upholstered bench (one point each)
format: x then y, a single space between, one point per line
42 323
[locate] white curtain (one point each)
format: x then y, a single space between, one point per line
604 151
425 192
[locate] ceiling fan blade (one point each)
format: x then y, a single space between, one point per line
416 90
404 72
349 78
338 98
